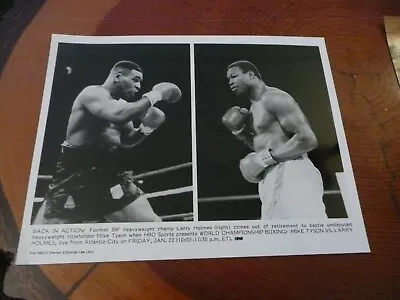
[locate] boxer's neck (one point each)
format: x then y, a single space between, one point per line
110 86
257 91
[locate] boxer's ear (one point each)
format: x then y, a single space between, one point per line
251 74
117 76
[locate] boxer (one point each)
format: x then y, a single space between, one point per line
89 183
279 135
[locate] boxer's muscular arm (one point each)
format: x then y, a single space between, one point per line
294 123
98 103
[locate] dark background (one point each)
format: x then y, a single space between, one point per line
168 146
294 69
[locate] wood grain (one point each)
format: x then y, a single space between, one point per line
28 282
23 90
369 99
127 281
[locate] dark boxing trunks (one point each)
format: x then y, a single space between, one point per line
95 183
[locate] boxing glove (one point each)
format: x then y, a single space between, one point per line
253 165
152 120
235 119
166 91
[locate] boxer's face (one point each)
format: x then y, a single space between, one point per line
129 83
238 81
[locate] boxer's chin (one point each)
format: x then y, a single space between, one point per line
132 93
130 96
237 91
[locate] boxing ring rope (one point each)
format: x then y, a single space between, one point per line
185 189
142 175
248 197
180 190
184 216
161 171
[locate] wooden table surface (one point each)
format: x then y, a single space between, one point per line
369 97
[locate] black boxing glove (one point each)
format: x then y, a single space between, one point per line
235 119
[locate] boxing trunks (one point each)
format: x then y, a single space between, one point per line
292 189
94 182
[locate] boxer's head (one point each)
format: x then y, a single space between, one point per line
242 76
126 77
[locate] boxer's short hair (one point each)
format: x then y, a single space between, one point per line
126 65
246 66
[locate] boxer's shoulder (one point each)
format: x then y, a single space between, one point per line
94 92
90 94
276 99
275 93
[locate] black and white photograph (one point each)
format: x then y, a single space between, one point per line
189 147
117 142
266 142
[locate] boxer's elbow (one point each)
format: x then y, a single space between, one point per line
313 143
308 141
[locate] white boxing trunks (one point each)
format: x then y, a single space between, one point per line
292 190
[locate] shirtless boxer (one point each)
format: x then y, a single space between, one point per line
88 170
280 136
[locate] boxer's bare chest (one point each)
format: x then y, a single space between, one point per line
261 119
266 127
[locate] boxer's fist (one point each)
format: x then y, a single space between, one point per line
235 119
254 164
166 91
251 169
152 120
169 91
